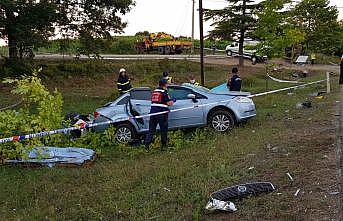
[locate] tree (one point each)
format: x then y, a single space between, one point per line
275 32
28 22
237 19
320 23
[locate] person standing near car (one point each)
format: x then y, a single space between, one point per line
235 82
166 76
160 101
123 82
313 58
192 80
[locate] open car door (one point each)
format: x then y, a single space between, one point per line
139 104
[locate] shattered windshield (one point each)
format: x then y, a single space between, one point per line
200 88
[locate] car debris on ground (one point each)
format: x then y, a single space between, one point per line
296 192
303 105
56 156
290 177
221 199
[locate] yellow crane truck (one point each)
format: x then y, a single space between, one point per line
163 43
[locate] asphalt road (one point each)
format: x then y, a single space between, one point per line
209 59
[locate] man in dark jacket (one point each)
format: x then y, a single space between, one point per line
235 82
124 82
160 101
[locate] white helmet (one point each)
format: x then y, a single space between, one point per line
122 70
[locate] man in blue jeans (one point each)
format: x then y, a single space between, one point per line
160 101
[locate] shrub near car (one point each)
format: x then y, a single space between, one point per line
200 107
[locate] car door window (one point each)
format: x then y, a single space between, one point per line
124 100
179 93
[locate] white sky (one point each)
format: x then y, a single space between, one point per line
174 16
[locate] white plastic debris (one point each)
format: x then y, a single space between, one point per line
215 204
297 192
290 177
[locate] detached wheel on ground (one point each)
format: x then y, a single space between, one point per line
221 121
125 133
229 53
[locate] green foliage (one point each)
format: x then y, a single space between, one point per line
312 25
29 23
41 111
320 23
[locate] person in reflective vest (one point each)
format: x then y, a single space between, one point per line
192 80
235 82
160 101
166 76
124 82
313 58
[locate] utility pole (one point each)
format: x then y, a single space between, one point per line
201 22
193 11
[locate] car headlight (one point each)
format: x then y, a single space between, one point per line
243 100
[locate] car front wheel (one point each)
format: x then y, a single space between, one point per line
254 60
222 121
125 133
229 53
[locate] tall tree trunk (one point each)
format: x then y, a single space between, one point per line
242 33
12 46
11 35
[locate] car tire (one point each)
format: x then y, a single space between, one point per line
125 133
229 53
253 60
221 121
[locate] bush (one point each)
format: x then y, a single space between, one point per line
40 111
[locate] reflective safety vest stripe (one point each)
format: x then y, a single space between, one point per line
128 82
158 105
159 90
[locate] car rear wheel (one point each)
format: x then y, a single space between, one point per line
125 133
229 53
222 121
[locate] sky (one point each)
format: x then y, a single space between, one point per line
174 16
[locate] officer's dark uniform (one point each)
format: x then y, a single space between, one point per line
159 100
235 83
123 84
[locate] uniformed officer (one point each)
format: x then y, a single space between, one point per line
192 80
235 82
124 82
160 101
166 76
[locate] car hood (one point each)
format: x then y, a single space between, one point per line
222 89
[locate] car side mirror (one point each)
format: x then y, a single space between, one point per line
193 97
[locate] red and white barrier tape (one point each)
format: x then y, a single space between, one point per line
84 126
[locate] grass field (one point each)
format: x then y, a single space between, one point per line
131 184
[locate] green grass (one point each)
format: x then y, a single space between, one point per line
130 184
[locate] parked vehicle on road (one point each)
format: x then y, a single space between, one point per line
163 43
219 111
248 50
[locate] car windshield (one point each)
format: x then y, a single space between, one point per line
200 88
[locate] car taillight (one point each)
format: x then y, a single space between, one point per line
96 114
